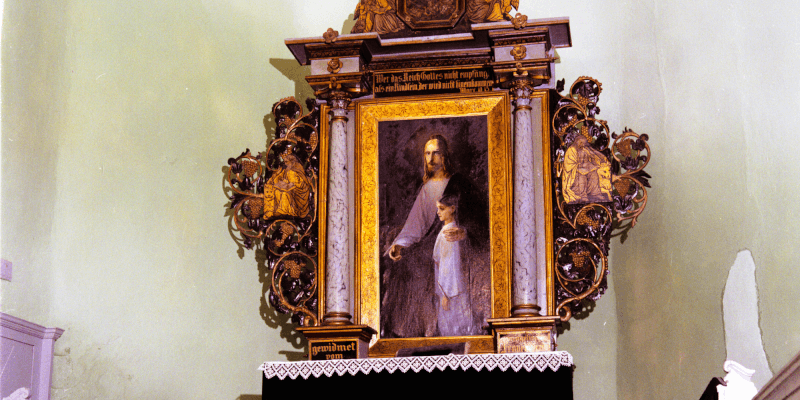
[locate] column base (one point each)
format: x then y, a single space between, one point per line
337 342
525 310
337 318
524 334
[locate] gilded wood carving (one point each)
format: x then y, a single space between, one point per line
442 97
273 202
392 16
593 194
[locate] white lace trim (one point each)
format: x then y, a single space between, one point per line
516 362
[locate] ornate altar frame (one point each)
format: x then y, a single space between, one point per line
494 107
559 187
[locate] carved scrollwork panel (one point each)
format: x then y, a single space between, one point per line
632 153
593 196
581 273
273 202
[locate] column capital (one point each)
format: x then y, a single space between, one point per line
521 95
521 88
339 99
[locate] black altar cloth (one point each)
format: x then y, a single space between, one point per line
539 375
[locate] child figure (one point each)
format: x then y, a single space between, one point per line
452 286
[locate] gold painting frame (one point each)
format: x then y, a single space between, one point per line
369 113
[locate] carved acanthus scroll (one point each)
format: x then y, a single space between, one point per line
273 201
593 196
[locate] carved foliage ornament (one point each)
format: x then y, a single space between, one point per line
388 16
519 21
599 188
519 52
273 209
330 35
334 65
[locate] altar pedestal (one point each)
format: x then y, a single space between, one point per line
543 375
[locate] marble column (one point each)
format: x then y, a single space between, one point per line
337 271
525 254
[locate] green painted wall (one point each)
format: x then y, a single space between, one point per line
726 180
118 117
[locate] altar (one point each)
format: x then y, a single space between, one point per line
443 188
545 374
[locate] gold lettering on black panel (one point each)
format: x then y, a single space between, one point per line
334 350
462 80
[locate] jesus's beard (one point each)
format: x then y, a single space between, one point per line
431 169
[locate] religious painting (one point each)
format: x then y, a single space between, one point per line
433 226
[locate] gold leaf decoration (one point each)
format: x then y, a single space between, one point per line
519 21
294 268
334 65
583 219
580 258
330 35
623 186
519 52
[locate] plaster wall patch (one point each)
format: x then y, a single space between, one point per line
740 317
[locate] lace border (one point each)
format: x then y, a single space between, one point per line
516 362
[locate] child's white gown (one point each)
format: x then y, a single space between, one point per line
452 282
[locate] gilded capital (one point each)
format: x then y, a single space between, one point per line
521 89
339 99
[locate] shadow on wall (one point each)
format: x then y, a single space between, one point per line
271 317
586 308
296 73
269 127
348 24
276 320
